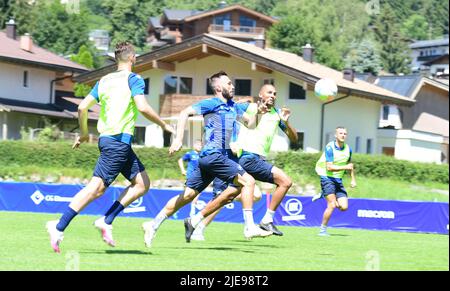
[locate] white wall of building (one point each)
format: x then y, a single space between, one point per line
360 116
412 145
12 78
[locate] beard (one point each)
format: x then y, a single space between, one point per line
227 94
269 104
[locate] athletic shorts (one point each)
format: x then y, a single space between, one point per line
116 158
257 166
332 186
214 165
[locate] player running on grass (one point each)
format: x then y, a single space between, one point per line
220 114
253 147
121 96
331 168
192 158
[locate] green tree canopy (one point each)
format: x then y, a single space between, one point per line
395 53
58 30
415 27
330 28
363 57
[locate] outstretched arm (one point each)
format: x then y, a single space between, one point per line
148 112
182 119
289 130
83 109
334 168
353 181
181 165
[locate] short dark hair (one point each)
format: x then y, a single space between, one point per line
123 50
215 77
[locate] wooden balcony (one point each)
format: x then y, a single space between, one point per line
167 34
171 105
236 31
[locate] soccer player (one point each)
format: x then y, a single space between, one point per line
220 114
331 167
191 158
121 96
253 147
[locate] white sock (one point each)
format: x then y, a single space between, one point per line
200 226
248 217
323 227
159 219
192 212
268 217
196 219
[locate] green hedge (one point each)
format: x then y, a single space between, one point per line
375 166
59 154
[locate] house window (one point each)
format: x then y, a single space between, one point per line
243 87
185 85
357 144
296 92
269 81
246 23
385 112
299 145
147 84
25 79
174 85
170 85
369 146
224 20
209 90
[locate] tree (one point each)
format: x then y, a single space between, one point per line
129 20
58 30
363 57
5 12
394 49
85 58
21 11
330 28
415 27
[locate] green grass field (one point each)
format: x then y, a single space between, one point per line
25 246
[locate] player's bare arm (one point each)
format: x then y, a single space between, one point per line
177 142
83 109
148 112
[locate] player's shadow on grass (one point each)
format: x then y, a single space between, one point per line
214 248
247 243
128 252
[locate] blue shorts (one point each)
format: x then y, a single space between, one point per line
218 187
257 166
332 186
116 158
214 165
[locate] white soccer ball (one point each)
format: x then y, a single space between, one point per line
325 89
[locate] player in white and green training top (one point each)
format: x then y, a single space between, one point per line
121 97
331 167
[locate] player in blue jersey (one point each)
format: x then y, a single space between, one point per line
216 161
121 97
